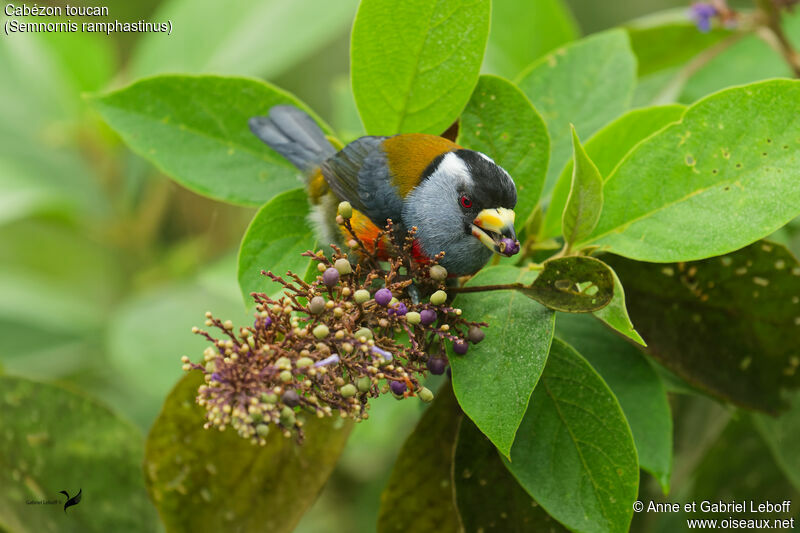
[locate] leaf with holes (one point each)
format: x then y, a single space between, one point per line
494 381
728 325
606 148
500 122
636 385
574 452
585 199
194 129
419 493
192 473
575 284
587 83
415 63
721 178
276 237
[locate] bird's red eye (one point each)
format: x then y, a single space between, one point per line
466 203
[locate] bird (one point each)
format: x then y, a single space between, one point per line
75 500
460 201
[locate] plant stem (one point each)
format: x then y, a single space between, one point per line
771 32
484 288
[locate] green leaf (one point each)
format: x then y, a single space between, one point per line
606 148
191 129
276 237
667 39
524 31
56 440
634 382
585 200
419 493
494 381
586 83
415 63
247 37
500 122
574 452
717 180
487 495
782 435
206 480
727 325
615 314
575 284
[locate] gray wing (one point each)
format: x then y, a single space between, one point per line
360 175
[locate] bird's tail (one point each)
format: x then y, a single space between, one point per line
295 135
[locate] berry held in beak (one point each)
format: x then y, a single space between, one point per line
495 229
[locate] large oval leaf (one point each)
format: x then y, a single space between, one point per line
524 31
636 385
721 178
487 495
727 324
606 148
419 495
206 480
574 451
276 237
782 435
494 381
416 62
54 440
500 122
194 129
586 83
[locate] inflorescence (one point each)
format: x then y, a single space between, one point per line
358 330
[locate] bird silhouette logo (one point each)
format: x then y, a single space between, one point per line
75 500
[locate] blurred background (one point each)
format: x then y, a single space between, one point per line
106 264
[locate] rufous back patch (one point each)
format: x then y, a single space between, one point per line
410 154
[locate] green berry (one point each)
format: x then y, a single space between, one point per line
413 318
343 266
321 331
348 391
286 376
364 384
304 362
316 305
345 210
438 272
269 397
364 332
284 363
425 395
262 430
361 296
287 417
438 297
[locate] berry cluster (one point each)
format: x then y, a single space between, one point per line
327 346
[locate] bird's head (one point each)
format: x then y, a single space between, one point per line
463 206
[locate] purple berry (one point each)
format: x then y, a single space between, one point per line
475 334
398 387
460 347
702 13
508 247
330 277
427 317
291 398
436 365
399 309
383 297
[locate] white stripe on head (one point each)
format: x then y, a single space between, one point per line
454 167
486 157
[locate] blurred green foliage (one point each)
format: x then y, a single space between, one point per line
105 264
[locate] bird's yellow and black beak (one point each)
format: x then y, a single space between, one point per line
495 229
